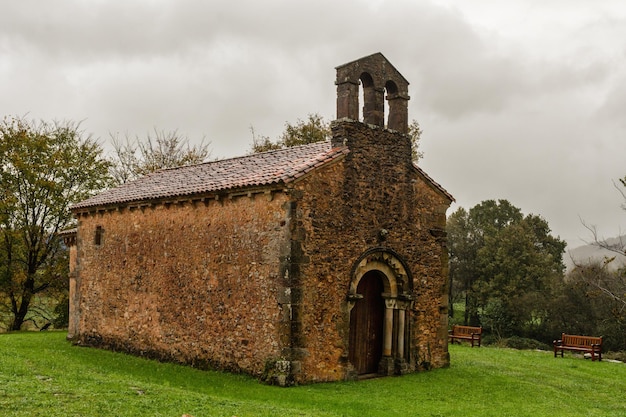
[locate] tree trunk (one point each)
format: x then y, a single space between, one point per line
18 321
19 314
467 308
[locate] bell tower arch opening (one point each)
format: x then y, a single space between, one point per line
391 90
373 101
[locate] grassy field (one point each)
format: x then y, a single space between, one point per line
43 375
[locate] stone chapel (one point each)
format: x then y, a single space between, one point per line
321 262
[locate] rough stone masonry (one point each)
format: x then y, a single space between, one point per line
321 262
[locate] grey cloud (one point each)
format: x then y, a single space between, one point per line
539 123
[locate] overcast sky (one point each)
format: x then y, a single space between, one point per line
522 99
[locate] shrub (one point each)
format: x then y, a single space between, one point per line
62 314
522 343
618 356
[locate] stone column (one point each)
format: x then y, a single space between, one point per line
386 365
388 326
347 99
398 118
404 304
374 106
400 344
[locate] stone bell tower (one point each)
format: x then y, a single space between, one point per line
379 80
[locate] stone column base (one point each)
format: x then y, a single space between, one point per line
386 366
402 367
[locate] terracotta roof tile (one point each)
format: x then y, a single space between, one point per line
261 169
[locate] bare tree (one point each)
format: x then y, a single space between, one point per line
611 285
135 157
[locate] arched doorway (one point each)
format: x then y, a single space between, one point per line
379 300
366 324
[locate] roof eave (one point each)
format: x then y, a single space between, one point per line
433 184
204 197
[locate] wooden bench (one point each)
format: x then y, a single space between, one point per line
587 344
469 333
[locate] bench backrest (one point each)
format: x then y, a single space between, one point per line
456 329
582 341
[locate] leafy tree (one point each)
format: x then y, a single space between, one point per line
467 233
463 272
316 129
135 157
415 133
44 168
518 266
505 263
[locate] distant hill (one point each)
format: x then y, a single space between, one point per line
586 253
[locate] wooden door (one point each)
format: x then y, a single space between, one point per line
366 325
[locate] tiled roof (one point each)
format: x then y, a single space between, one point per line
260 169
68 232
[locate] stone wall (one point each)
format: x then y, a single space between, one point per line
251 281
195 283
374 198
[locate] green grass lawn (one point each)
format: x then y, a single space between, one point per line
41 374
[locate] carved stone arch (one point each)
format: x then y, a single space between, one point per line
398 280
379 335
